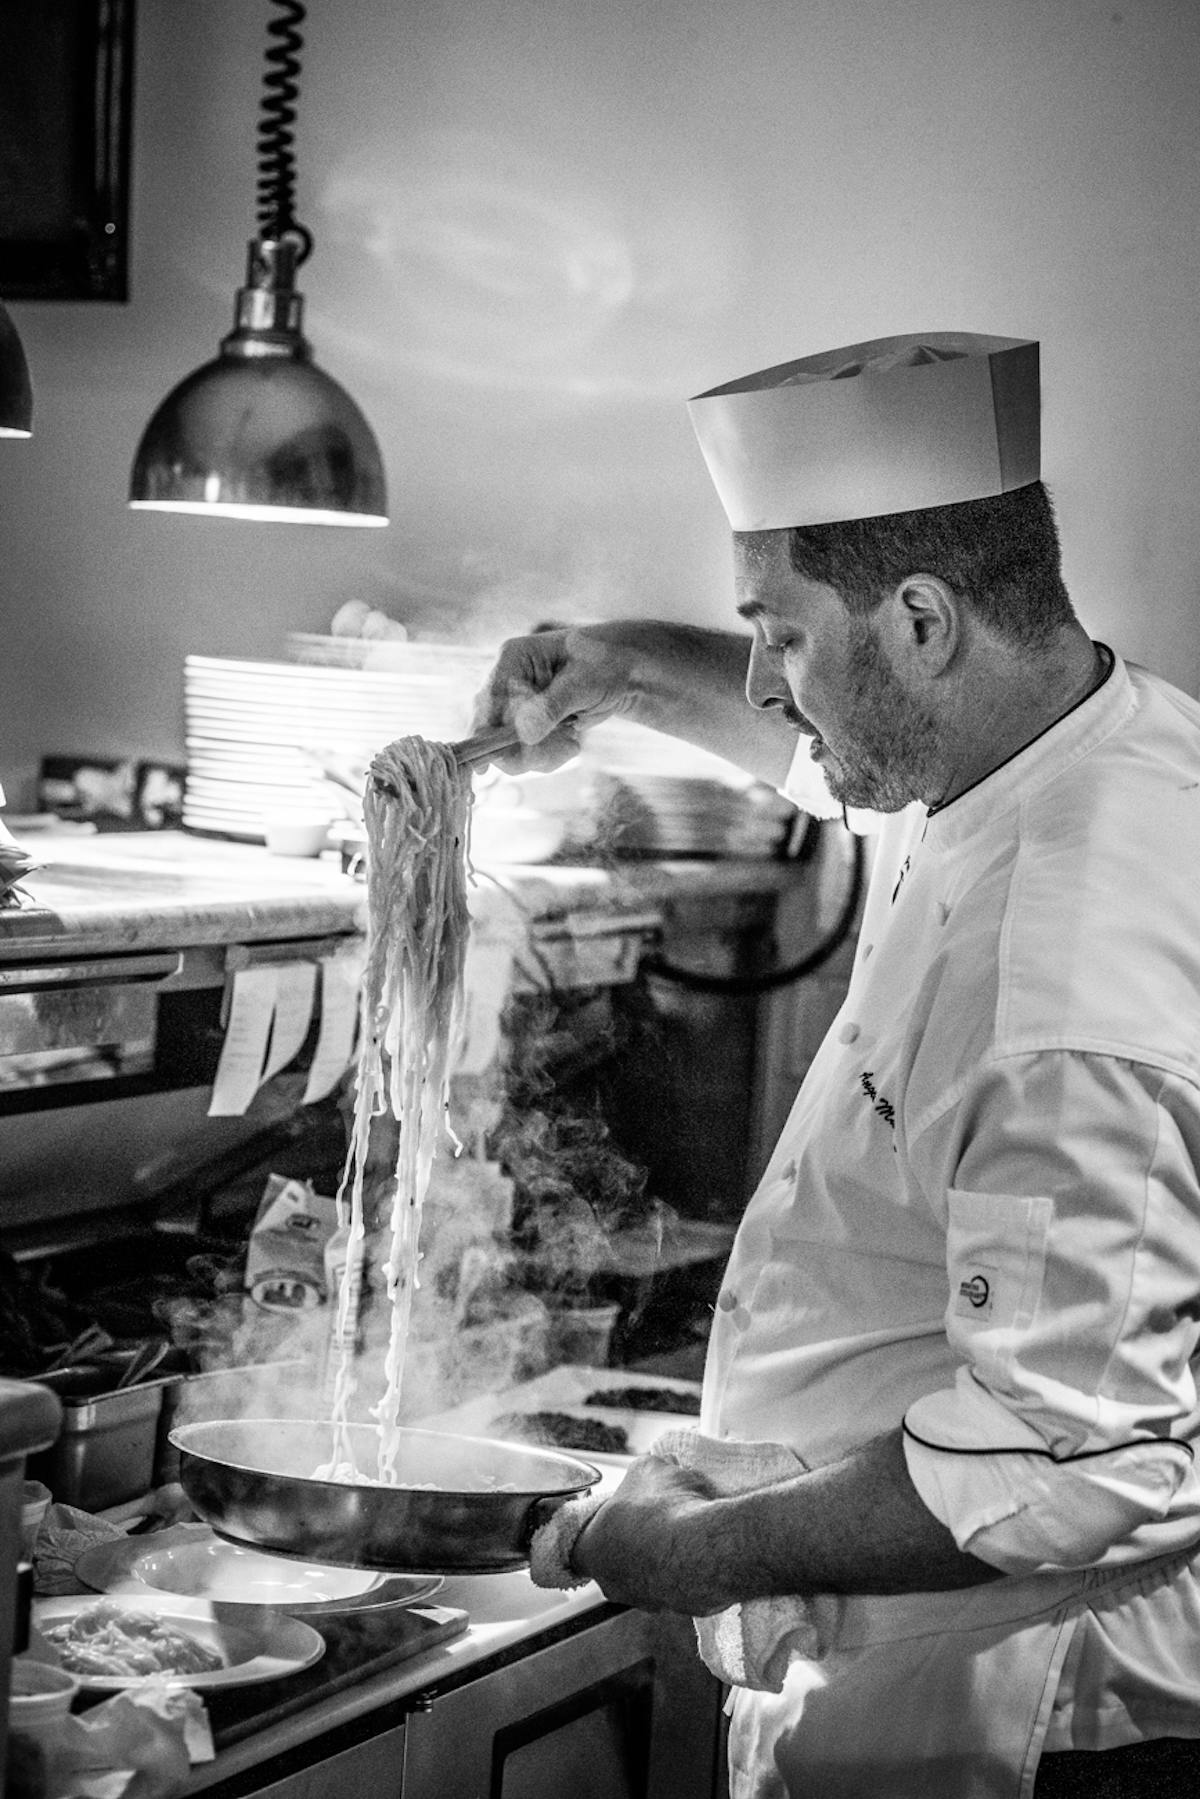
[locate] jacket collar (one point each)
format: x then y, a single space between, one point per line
1075 735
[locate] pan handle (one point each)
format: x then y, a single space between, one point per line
540 1512
557 1524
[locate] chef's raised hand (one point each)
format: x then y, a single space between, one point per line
552 683
655 1543
680 678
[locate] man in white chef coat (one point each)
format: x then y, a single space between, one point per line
943 1541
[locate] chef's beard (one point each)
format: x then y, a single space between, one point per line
886 753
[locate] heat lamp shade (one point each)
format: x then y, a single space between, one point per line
16 389
262 438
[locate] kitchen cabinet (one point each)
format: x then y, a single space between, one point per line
66 127
373 1767
623 1709
618 1706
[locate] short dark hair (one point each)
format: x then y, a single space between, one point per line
1001 554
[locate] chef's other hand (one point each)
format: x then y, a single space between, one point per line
552 683
652 1544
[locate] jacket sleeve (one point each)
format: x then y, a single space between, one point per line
1071 1194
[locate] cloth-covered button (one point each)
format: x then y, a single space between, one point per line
849 1033
868 949
727 1300
789 1171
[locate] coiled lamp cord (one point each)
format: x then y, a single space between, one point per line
276 186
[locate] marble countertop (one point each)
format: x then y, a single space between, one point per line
142 890
123 892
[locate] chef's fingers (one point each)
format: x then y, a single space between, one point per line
548 686
524 667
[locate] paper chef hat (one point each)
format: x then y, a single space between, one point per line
887 426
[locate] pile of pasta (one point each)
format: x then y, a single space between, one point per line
112 1642
416 810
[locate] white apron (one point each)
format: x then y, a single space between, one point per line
924 1695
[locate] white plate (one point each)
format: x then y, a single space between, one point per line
255 1645
215 823
244 793
191 1560
254 774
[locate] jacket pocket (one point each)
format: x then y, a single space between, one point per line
995 1263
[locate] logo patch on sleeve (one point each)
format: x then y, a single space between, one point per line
976 1293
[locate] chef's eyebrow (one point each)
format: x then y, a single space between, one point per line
751 609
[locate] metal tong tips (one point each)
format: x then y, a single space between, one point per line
485 744
470 751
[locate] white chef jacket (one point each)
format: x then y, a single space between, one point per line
983 1218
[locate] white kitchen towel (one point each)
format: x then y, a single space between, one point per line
65 1532
552 1542
752 1643
749 1644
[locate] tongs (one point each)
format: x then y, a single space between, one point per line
144 1360
92 1340
484 745
469 752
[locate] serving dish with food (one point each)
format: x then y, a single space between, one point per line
119 1641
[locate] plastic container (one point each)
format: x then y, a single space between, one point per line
40 1696
39 1701
35 1498
583 1334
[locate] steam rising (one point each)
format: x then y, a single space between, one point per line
526 1203
513 1228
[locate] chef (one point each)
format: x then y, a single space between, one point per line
939 1525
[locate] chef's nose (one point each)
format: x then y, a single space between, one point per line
765 683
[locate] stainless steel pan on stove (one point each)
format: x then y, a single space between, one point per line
252 1480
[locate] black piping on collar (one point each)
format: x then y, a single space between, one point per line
1110 662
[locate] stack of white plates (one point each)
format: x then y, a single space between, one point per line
259 733
660 796
401 655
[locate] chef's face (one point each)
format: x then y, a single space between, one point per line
828 671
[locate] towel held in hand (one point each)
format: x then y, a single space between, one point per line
749 1644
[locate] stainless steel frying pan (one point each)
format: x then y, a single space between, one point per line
252 1480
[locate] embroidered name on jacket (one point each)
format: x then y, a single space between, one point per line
884 1107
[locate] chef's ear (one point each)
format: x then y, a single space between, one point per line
925 616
